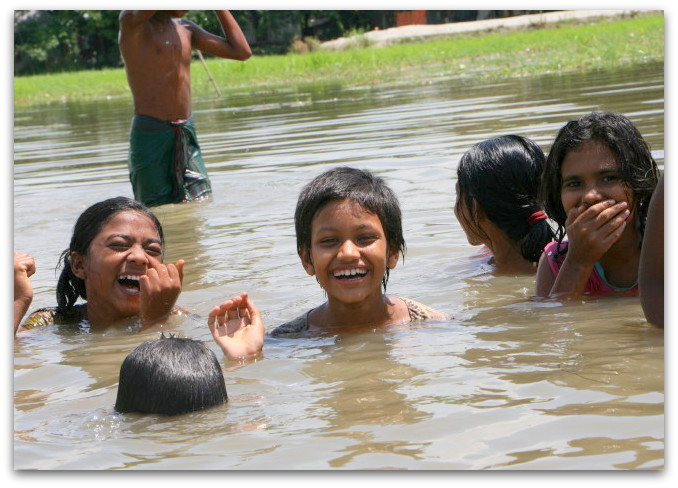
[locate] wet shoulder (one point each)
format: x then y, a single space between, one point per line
40 318
49 315
293 327
420 312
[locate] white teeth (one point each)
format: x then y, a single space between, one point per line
349 272
129 277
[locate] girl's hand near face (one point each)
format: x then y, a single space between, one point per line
159 289
592 231
237 327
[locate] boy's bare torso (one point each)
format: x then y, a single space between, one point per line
157 56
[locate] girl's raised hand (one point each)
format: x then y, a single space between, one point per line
237 327
592 231
159 289
24 268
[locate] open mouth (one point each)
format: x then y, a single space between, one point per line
130 283
350 274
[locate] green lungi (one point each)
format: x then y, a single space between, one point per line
165 164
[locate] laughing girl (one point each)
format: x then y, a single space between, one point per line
115 263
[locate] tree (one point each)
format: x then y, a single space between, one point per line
47 41
65 40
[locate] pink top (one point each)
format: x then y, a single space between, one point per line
597 284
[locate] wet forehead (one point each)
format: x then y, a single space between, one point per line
342 213
589 158
130 222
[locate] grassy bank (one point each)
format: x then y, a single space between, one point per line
564 47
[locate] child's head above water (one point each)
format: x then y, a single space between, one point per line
613 132
502 176
88 226
367 193
170 376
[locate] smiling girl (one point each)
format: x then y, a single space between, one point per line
596 187
115 263
349 236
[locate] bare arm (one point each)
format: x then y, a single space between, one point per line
234 46
24 267
544 278
651 269
571 279
133 18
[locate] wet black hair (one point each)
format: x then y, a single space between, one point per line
359 186
503 175
637 168
87 227
170 376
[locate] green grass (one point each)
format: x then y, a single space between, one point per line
564 47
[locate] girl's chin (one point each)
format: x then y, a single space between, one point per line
129 308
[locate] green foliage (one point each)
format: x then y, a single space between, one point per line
522 53
65 40
49 41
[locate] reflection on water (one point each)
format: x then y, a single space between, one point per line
509 383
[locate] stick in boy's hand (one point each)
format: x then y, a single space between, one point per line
237 327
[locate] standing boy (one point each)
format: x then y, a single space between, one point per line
165 163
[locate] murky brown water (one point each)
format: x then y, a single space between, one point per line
507 384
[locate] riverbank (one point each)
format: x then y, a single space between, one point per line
418 33
566 45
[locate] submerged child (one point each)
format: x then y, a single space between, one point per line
597 184
349 236
170 376
497 202
115 263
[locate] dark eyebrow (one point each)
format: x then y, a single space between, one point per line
332 229
128 238
611 168
325 229
121 236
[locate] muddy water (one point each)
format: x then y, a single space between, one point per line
508 383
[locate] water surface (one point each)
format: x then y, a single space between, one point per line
508 383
